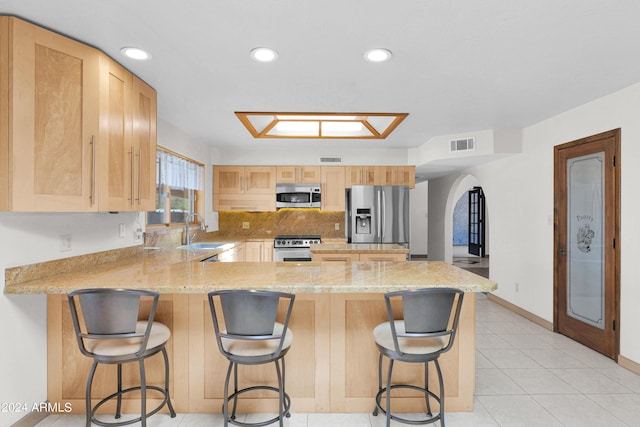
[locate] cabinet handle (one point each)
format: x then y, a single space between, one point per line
93 170
139 174
133 163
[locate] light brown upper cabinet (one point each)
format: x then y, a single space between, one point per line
247 188
50 103
397 175
71 112
332 183
361 175
115 136
298 174
144 146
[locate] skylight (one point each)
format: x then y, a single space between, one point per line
320 125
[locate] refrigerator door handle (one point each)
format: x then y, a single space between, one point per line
378 238
383 217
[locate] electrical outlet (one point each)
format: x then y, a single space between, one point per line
517 287
245 225
337 226
65 242
137 236
122 231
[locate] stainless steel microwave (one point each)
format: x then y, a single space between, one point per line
297 196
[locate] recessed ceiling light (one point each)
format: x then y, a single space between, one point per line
377 55
264 54
135 53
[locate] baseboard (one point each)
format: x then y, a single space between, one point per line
629 364
524 313
31 419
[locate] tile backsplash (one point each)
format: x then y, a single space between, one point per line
283 221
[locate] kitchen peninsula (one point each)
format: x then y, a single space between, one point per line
332 365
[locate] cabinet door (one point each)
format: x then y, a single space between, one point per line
144 145
267 250
405 175
228 179
298 174
116 191
260 180
309 174
333 188
286 174
361 175
54 104
253 251
388 175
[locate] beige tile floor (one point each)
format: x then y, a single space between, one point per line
525 376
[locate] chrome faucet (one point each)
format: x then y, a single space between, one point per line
188 238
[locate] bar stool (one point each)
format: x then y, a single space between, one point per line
427 330
252 337
108 331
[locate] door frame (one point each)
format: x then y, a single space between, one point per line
561 192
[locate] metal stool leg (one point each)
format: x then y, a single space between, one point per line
280 395
375 410
87 396
388 397
235 391
441 384
119 397
166 382
143 394
225 401
426 387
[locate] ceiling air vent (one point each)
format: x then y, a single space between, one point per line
465 144
330 159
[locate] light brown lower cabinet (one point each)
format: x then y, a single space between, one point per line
331 367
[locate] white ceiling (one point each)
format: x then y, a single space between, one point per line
458 65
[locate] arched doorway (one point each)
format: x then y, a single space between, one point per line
459 210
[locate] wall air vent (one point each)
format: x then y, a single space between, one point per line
464 144
327 159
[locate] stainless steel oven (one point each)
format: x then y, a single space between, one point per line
293 248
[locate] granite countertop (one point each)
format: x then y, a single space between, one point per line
360 248
173 271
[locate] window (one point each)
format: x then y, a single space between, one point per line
179 188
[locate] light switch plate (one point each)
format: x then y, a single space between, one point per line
122 230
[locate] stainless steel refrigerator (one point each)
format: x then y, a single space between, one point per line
377 214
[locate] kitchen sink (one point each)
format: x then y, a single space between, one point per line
201 246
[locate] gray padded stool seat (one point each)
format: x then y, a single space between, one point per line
252 336
108 330
426 330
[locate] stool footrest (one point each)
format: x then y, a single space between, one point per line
135 420
287 406
382 391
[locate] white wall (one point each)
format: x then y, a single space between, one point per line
311 157
519 191
28 238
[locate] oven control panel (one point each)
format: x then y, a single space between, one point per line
296 241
